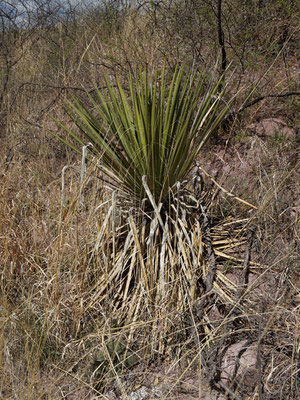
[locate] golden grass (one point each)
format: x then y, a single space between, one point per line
80 313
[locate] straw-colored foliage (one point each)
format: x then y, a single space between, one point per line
130 277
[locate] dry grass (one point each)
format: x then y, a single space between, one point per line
73 324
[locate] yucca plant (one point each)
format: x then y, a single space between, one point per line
152 129
152 254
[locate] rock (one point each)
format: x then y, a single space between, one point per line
140 394
272 127
239 365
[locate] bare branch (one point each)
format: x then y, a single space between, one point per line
255 101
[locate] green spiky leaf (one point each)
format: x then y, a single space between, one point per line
152 129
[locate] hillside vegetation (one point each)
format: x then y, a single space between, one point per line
194 292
